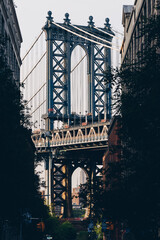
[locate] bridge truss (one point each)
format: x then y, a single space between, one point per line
82 139
61 41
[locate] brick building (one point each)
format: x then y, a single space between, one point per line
113 151
75 196
112 155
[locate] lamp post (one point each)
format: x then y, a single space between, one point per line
74 119
86 117
80 118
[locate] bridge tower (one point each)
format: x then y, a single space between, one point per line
61 40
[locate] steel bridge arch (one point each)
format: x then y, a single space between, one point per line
61 39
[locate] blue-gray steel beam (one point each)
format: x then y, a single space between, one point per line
49 73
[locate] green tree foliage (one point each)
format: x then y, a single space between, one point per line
82 236
78 213
91 197
59 231
98 230
52 226
67 231
135 198
18 183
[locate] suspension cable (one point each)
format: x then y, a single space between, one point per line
38 106
78 63
117 32
112 35
92 34
35 94
45 83
39 88
86 38
32 46
34 67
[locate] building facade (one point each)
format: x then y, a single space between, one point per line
82 177
114 150
112 155
132 19
75 196
11 36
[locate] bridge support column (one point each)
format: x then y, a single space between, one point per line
91 183
59 187
107 96
68 200
46 163
49 73
91 87
94 175
67 67
50 181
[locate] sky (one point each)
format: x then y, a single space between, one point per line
32 14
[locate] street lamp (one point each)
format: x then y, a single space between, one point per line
80 118
86 117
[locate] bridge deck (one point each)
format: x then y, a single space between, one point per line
89 136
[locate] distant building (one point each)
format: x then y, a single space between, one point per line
11 34
132 19
82 177
75 196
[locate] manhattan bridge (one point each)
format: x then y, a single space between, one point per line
69 100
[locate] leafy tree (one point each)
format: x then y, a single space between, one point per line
18 183
52 226
134 199
78 213
98 230
59 231
82 236
67 231
91 197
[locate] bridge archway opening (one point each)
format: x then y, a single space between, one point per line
79 177
79 81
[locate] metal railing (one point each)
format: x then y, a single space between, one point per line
72 135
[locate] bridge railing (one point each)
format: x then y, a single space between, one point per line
73 135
